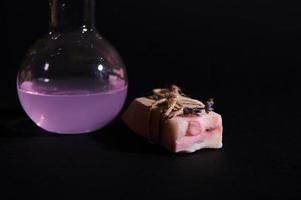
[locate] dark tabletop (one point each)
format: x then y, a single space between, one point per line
260 158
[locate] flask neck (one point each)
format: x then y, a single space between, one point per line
71 15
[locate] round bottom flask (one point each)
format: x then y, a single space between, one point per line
72 80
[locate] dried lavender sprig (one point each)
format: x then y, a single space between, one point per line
209 105
195 111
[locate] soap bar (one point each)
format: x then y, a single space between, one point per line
175 121
180 133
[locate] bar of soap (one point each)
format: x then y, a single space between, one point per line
183 133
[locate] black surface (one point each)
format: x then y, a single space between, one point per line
245 54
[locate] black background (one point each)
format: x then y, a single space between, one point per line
246 54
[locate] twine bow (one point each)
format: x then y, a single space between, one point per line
175 103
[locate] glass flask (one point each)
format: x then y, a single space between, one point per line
72 80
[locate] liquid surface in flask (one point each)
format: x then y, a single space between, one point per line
70 111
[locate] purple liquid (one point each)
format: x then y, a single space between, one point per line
75 112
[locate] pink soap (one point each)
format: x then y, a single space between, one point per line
193 133
183 133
